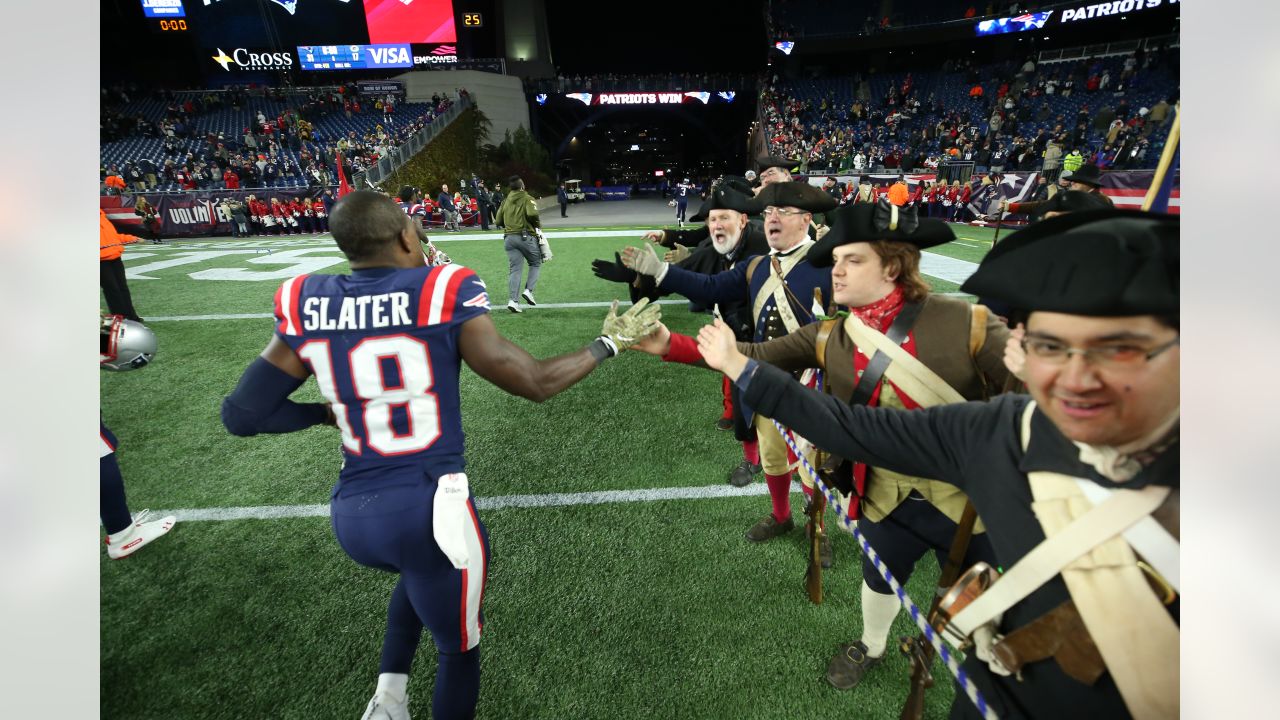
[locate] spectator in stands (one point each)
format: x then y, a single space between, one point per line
148 168
1052 166
1158 115
114 182
231 179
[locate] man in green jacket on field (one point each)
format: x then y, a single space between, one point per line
518 218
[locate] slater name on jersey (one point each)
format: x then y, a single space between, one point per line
356 313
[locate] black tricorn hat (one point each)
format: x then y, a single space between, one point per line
796 194
1073 201
767 161
723 199
1103 263
1087 174
867 222
737 182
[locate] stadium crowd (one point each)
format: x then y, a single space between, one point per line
283 143
1112 112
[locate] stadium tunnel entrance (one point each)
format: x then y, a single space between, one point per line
645 145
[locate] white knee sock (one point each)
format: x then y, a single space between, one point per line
878 613
393 685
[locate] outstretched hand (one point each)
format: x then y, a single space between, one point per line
632 326
656 343
719 348
643 260
656 236
1015 358
613 271
678 254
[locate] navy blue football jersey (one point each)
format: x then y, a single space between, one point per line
682 191
383 345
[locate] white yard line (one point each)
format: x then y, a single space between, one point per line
498 502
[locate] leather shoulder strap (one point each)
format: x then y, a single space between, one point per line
751 266
820 342
977 329
879 362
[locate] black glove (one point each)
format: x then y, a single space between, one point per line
613 271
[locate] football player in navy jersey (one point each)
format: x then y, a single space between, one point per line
410 201
682 200
385 344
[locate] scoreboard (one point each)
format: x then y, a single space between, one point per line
354 57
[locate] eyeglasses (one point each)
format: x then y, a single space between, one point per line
1117 355
784 212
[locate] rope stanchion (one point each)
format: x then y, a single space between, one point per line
918 617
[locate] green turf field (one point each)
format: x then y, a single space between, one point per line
647 609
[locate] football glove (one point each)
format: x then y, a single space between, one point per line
627 329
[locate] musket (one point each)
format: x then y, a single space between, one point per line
917 649
817 533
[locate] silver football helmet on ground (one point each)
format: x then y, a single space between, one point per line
124 344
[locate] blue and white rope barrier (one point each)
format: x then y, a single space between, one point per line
919 618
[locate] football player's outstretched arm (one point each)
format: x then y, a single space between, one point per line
260 403
513 369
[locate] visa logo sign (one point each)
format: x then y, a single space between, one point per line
388 56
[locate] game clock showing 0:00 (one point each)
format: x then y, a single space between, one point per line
175 25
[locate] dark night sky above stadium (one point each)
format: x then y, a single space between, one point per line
658 36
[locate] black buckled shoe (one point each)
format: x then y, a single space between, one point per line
724 424
850 665
742 475
769 528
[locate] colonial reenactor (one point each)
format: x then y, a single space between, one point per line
780 287
1088 178
897 346
1077 483
731 240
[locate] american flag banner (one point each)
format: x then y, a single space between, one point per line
1128 189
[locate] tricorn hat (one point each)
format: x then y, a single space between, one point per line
767 161
796 194
881 220
1087 174
723 199
1103 263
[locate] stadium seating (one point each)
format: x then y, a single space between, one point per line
951 91
231 123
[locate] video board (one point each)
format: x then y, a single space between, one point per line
317 34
